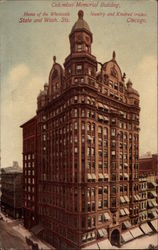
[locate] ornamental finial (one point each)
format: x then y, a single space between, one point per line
54 59
80 14
113 55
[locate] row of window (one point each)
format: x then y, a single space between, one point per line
29 157
88 100
29 180
29 172
29 189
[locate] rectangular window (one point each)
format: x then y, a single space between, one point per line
100 204
75 125
100 130
100 190
76 150
75 113
105 203
75 139
79 69
75 99
105 190
100 218
79 47
113 131
89 222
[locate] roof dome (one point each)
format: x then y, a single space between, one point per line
81 23
42 93
130 89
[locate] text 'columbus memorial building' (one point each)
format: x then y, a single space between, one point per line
81 150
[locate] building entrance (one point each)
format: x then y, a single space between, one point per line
115 237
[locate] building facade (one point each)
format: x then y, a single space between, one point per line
11 188
30 173
148 165
148 169
143 205
87 148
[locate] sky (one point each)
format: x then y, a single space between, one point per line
27 50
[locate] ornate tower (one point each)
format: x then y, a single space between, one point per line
80 62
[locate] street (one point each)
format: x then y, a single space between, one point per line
11 239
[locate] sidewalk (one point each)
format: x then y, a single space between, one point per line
17 226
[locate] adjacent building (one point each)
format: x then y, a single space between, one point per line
148 179
30 173
148 165
82 150
11 188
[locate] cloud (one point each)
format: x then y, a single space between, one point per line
146 79
18 73
19 105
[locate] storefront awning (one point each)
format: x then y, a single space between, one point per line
93 235
100 105
106 119
154 203
153 193
155 224
122 212
125 164
127 224
138 197
105 107
89 137
154 214
100 232
100 176
126 198
93 176
153 183
126 210
126 237
146 229
122 199
104 244
136 232
150 204
89 236
135 198
100 117
107 216
104 232
89 177
106 176
125 175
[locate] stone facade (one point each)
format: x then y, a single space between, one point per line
11 188
30 173
87 148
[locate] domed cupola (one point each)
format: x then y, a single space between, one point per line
80 36
130 89
42 97
80 61
133 95
81 24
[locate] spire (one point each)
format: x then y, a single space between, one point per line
129 83
54 59
113 55
80 14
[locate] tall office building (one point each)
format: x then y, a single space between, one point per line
87 148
